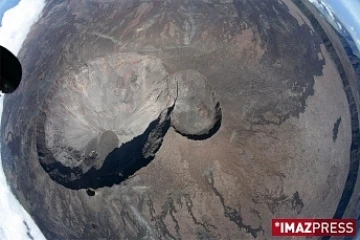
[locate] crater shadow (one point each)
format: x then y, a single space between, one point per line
118 166
124 161
212 131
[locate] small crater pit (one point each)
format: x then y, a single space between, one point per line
197 112
90 192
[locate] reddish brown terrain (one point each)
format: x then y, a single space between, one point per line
177 120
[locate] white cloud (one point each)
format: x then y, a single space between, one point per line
17 21
324 7
347 13
327 11
353 9
16 25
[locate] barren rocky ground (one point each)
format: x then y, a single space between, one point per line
176 120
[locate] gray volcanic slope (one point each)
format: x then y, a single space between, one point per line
175 120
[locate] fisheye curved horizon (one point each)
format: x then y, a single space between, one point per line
180 119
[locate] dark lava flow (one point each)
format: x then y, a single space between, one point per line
354 150
336 128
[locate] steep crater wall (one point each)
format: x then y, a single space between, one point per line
106 119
